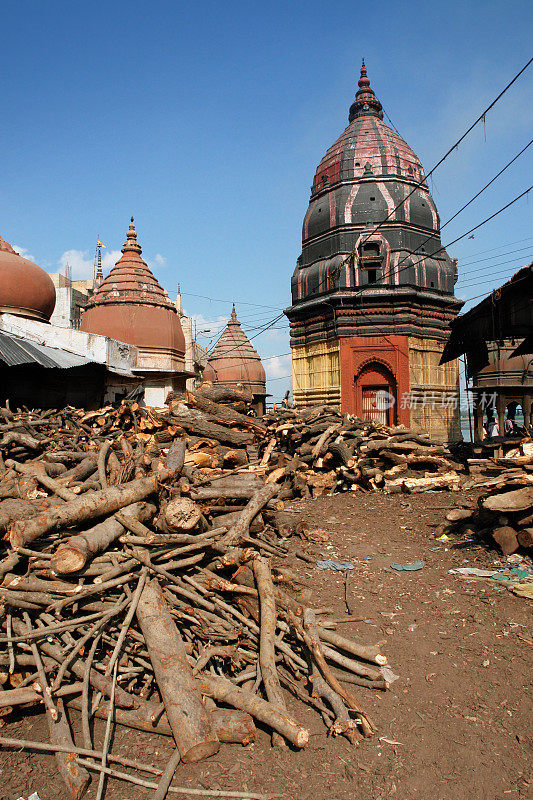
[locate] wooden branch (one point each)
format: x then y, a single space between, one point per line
241 527
186 713
82 509
267 659
226 692
73 554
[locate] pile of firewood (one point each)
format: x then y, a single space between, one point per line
335 452
503 515
145 585
515 463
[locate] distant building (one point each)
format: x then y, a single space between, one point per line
496 338
235 360
373 289
71 299
196 356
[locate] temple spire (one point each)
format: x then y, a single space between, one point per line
131 242
366 102
99 271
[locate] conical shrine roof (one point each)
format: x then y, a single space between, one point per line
131 279
130 305
235 360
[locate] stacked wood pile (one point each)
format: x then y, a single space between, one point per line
504 512
138 589
334 452
496 471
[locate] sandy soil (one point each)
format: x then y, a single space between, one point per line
455 725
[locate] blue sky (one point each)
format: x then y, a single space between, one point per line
206 122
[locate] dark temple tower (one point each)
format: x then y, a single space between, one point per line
371 307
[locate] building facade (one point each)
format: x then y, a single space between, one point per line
373 289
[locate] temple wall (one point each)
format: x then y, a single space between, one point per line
316 374
433 391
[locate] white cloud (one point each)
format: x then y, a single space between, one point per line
277 367
159 259
23 252
82 263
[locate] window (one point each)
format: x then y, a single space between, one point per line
371 260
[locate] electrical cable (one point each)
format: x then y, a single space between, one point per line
432 236
443 247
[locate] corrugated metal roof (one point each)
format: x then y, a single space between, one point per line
14 352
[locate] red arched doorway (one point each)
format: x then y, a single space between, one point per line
375 393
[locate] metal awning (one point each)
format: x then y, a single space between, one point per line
17 352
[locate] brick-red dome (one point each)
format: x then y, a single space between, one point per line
25 288
131 306
235 360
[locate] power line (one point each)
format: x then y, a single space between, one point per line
491 249
475 297
498 255
239 302
487 269
432 235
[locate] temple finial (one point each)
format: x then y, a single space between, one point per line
131 242
99 272
366 102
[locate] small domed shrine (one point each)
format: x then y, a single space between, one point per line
25 289
235 360
372 292
131 306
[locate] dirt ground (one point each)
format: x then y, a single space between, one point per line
457 723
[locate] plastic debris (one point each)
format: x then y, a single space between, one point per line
389 675
337 566
416 565
478 573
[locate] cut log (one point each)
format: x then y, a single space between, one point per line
222 414
198 423
525 537
224 691
225 394
182 514
73 554
507 540
517 500
457 514
188 717
82 509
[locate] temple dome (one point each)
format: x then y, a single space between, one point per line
235 360
370 177
131 306
25 289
